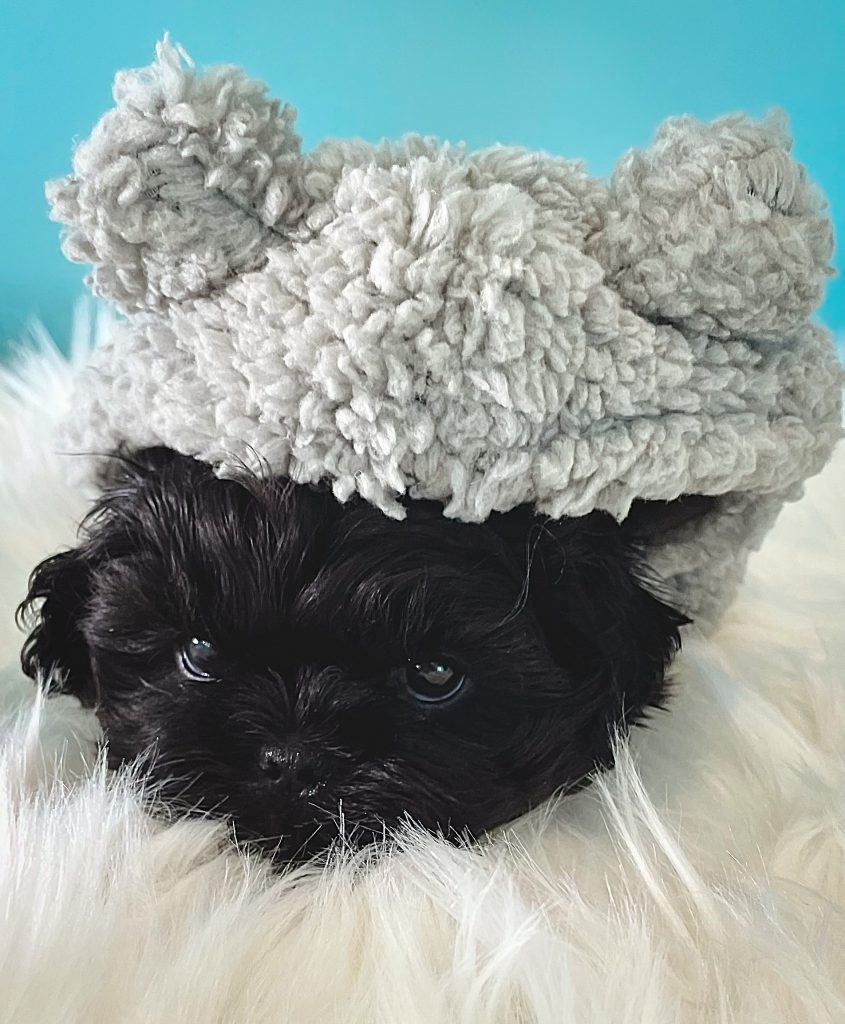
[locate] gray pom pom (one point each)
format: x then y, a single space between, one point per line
184 184
716 228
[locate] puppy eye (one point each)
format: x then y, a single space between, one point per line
199 659
432 682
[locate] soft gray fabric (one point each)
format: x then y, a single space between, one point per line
485 329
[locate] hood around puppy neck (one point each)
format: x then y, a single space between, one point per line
486 329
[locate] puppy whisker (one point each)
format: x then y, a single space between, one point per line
304 844
157 689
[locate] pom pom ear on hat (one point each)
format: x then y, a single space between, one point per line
716 228
185 183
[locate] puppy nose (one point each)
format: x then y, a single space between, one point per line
287 762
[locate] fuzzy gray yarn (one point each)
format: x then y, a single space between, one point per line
485 329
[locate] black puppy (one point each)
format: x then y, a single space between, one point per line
304 667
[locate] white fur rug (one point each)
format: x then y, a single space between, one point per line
703 880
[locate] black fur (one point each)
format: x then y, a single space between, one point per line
313 604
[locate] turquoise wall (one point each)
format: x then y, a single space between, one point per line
578 79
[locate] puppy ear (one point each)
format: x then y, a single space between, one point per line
61 587
55 647
601 611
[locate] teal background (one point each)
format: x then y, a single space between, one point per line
577 79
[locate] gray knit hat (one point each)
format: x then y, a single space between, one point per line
486 329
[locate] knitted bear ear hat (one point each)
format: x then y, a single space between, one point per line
485 329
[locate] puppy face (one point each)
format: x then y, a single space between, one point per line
302 667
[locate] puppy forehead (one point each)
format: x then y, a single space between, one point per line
296 527
273 550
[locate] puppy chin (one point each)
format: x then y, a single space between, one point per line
316 672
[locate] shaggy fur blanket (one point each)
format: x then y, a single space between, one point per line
703 880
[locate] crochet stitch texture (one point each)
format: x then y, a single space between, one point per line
485 329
